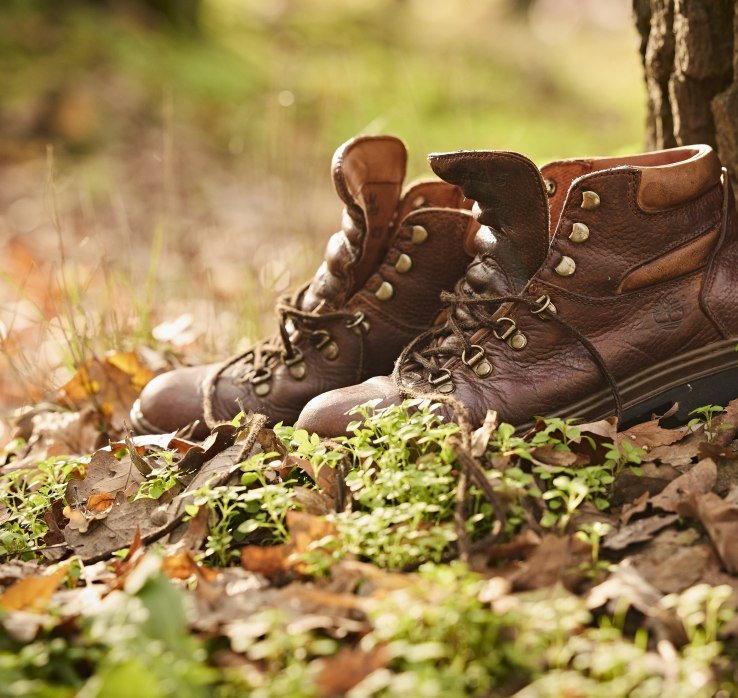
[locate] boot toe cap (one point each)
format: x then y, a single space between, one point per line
327 414
170 402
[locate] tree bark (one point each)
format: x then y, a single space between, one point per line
690 61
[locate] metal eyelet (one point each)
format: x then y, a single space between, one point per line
566 267
442 382
478 361
260 381
326 345
419 235
550 187
296 366
579 233
511 329
419 202
358 322
545 305
518 341
590 200
403 264
385 291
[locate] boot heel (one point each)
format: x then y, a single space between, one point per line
716 389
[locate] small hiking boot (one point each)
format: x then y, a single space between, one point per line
377 288
631 308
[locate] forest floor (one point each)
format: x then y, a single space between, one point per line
413 558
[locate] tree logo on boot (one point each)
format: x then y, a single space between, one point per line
669 313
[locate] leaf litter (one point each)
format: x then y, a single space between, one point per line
287 565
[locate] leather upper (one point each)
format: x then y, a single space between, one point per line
377 288
641 267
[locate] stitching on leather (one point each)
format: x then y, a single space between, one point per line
671 248
594 300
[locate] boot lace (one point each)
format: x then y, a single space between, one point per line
256 364
432 354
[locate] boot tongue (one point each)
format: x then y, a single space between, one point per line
512 207
368 173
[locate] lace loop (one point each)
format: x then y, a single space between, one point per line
426 348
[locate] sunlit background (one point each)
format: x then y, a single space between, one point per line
165 163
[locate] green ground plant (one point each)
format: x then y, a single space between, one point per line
447 632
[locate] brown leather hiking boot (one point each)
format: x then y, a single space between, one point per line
378 287
633 306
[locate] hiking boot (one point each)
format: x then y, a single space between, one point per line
631 308
378 287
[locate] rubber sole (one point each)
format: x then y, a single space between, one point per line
705 376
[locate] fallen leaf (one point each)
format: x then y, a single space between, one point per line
105 474
306 529
327 478
625 585
109 385
348 667
638 506
32 593
314 502
550 455
480 437
650 435
698 480
674 560
678 454
270 560
637 532
556 559
100 502
720 519
725 425
183 566
651 480
273 561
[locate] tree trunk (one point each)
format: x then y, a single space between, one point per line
690 59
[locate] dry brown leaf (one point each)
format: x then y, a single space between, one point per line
556 559
725 425
480 437
327 478
698 480
306 529
637 506
720 519
271 560
183 566
314 502
650 435
652 479
32 593
100 502
674 561
348 667
637 532
111 385
549 455
678 454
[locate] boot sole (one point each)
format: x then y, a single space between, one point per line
705 376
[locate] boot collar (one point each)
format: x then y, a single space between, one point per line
667 177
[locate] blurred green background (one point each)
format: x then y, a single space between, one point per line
161 157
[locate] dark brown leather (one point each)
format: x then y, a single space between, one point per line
671 309
384 230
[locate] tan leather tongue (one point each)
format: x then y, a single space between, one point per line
368 173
